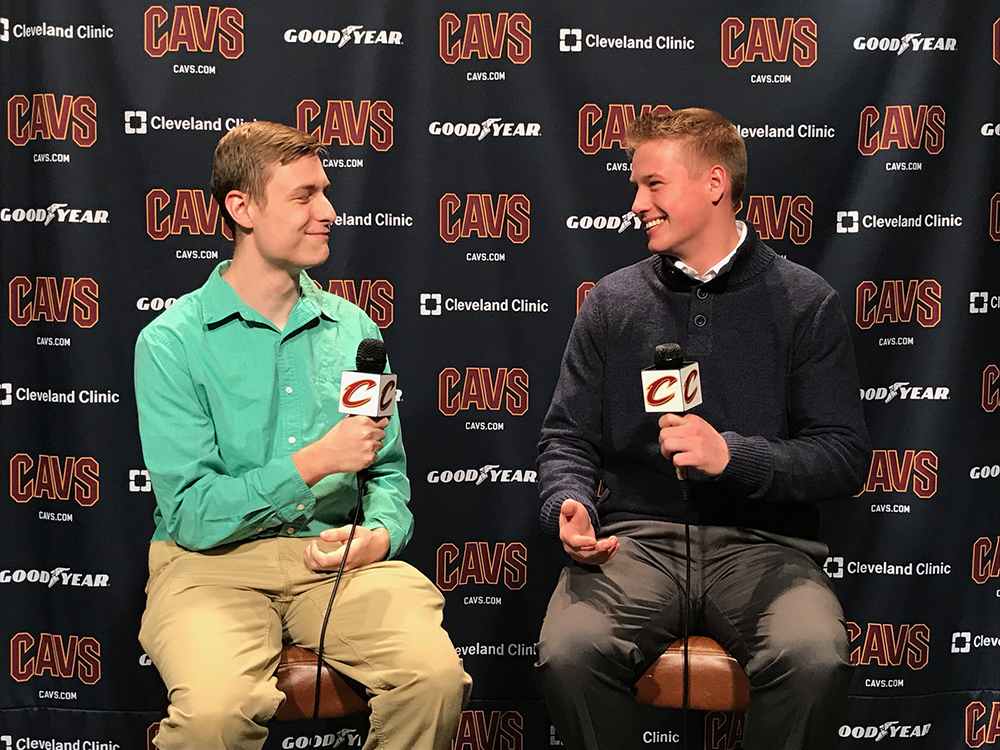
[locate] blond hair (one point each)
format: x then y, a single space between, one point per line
708 137
246 156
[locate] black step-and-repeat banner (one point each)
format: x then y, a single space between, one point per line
475 155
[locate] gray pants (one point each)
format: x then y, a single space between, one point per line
762 596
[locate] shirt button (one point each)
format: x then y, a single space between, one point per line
288 389
700 320
260 529
290 530
291 440
300 506
702 294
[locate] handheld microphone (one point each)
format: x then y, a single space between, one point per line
671 385
368 390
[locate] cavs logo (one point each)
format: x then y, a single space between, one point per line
55 478
581 293
597 129
485 216
53 300
775 216
484 389
898 301
497 730
991 388
193 29
662 390
374 297
188 211
985 559
363 123
766 41
902 128
982 724
46 117
996 41
51 655
477 563
487 36
995 217
724 729
915 470
347 397
886 645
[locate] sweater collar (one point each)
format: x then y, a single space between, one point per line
752 257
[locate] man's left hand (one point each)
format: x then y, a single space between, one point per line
368 546
689 440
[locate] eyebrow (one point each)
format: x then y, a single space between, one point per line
648 176
310 188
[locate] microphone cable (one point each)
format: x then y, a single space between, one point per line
686 609
336 585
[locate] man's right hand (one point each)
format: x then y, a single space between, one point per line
350 446
576 533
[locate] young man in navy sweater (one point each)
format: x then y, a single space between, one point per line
781 428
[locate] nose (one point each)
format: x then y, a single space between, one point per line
640 203
325 211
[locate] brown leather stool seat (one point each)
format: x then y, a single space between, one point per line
717 681
296 675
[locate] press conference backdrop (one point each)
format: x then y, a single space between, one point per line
475 155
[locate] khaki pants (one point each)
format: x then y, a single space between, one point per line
215 622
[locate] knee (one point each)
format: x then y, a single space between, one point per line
817 653
442 679
219 716
576 646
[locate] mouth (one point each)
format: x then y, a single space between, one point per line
654 223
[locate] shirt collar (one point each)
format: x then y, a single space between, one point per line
715 270
221 302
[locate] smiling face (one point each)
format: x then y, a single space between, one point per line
290 227
675 197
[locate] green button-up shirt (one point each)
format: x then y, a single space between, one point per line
224 399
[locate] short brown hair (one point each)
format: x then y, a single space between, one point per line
246 155
707 135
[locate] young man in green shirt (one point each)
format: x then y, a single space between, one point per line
253 467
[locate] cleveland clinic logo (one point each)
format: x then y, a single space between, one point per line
434 304
139 481
574 40
139 122
4 29
983 302
6 394
964 642
852 222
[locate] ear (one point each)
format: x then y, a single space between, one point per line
238 206
718 183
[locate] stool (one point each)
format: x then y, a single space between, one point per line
716 681
296 675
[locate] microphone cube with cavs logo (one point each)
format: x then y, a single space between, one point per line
367 394
672 390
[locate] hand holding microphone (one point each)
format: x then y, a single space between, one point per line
673 386
352 445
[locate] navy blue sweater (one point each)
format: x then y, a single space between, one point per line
779 382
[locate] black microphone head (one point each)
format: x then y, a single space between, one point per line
371 357
667 357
